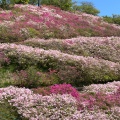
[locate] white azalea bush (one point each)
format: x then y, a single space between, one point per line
34 106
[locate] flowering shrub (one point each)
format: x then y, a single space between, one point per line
64 89
109 88
101 47
91 69
99 99
33 106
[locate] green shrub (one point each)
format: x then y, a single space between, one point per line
8 112
29 78
6 77
32 32
63 4
21 1
6 35
33 78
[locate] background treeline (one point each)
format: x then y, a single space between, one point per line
67 5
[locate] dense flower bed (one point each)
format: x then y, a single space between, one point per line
89 69
56 106
107 48
24 21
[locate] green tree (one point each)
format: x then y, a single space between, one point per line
63 4
33 2
114 19
5 4
108 19
87 7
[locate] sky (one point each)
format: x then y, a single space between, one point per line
106 7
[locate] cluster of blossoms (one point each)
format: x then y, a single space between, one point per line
101 47
64 89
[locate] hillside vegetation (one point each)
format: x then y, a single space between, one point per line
47 55
26 21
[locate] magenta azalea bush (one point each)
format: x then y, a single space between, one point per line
64 89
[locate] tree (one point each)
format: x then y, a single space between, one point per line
21 1
33 2
114 19
87 7
63 4
5 4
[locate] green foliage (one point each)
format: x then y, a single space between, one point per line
21 1
63 4
29 78
6 78
114 19
6 35
86 7
108 19
32 32
8 112
33 2
6 4
33 78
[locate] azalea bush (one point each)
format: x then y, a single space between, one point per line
91 69
64 89
107 48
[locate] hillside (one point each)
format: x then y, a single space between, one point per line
25 21
58 65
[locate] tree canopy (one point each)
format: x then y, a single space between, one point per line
87 7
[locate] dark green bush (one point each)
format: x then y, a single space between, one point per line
63 4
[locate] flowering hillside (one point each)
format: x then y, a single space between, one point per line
58 65
24 21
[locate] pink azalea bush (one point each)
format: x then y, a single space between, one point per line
37 107
94 69
101 47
